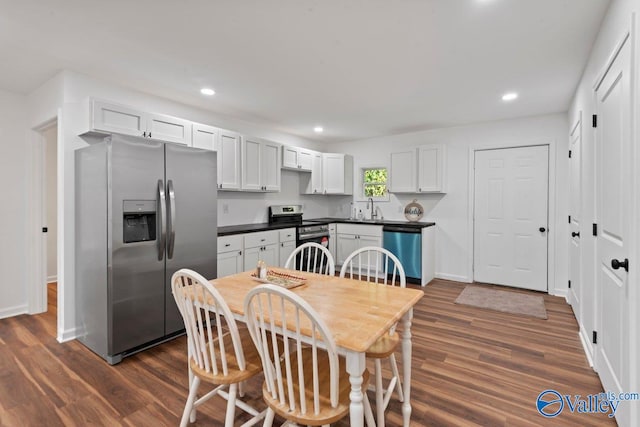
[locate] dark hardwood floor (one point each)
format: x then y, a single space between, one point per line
470 367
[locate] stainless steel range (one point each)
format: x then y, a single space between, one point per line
305 231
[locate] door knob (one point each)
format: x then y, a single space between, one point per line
542 229
615 264
575 234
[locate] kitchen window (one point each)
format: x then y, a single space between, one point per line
374 183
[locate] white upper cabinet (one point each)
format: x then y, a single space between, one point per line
270 159
229 160
296 158
431 161
167 128
331 173
337 173
418 170
112 118
404 177
260 165
205 137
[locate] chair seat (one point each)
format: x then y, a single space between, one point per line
384 346
252 360
327 414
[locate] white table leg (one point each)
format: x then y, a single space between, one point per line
406 366
355 367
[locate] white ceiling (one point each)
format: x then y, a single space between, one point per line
359 68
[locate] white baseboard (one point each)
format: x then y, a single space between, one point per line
586 348
454 277
68 335
13 311
52 279
561 293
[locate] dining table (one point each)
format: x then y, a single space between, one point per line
356 312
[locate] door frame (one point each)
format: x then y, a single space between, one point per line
552 289
37 275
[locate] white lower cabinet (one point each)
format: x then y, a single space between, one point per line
287 239
351 237
230 256
263 246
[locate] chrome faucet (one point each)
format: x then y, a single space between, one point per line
374 214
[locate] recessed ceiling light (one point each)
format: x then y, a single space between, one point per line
509 96
318 129
207 91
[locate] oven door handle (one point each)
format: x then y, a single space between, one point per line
313 236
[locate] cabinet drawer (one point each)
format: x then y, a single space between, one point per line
287 235
262 238
229 243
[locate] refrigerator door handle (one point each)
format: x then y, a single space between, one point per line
163 215
171 220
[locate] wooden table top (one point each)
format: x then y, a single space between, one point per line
356 312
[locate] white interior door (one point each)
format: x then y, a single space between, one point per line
614 210
510 216
575 216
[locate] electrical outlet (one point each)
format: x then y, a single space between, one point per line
225 208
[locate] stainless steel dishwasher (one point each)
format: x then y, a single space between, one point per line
405 242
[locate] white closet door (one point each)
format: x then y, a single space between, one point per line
575 217
614 216
511 214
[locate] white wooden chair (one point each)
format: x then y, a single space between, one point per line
218 351
311 257
305 383
378 265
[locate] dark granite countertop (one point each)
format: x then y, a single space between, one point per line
250 228
371 222
264 226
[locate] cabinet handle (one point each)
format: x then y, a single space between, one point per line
149 134
262 240
227 245
144 134
419 189
239 252
575 234
299 166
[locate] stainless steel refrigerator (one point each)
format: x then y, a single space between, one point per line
144 209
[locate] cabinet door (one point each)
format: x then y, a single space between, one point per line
305 159
251 257
205 137
290 157
431 169
251 164
170 129
118 119
403 174
270 255
229 160
286 248
230 263
333 173
270 166
316 174
345 245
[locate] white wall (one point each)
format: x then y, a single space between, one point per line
451 211
51 193
619 20
76 88
13 226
